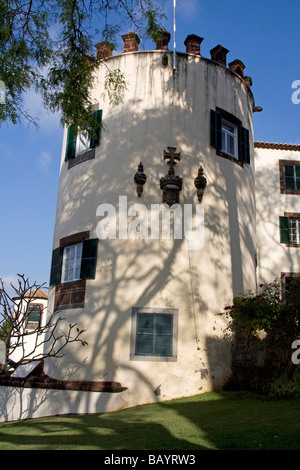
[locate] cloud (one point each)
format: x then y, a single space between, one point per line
44 162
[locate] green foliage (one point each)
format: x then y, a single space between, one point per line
61 68
285 387
268 320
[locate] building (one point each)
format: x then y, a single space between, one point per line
33 305
277 171
149 300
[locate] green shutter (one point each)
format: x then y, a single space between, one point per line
163 335
89 259
56 265
284 230
154 334
215 129
144 334
244 148
95 138
71 142
297 170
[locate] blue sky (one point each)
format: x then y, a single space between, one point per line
263 34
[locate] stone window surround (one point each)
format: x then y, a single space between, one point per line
135 311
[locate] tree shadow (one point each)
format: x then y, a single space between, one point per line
159 273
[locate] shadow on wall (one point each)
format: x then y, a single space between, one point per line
143 272
272 253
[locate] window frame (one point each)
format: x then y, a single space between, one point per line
74 155
74 268
285 229
136 311
285 278
234 135
282 177
30 324
71 294
242 139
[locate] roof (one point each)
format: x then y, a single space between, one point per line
35 294
276 146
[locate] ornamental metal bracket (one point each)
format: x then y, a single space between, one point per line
200 184
140 179
171 184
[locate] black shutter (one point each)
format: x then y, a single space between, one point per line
215 129
95 138
89 259
284 230
56 265
71 142
244 148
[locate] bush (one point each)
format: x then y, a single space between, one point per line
285 387
264 326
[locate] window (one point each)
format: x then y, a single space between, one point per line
289 171
229 137
154 334
80 145
290 229
34 316
292 177
290 286
73 262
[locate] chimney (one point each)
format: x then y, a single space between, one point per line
131 42
104 50
163 40
248 81
238 67
218 54
192 44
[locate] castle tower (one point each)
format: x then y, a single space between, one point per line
149 300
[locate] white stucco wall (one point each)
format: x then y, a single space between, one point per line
274 257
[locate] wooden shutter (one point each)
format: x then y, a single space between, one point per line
71 142
284 230
89 259
56 265
95 139
163 335
215 129
154 334
144 334
244 148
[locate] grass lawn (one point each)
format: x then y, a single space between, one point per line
225 420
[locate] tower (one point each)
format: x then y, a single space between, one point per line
147 297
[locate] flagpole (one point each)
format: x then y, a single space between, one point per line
174 34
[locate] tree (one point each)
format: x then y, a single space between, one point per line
47 340
61 68
265 324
